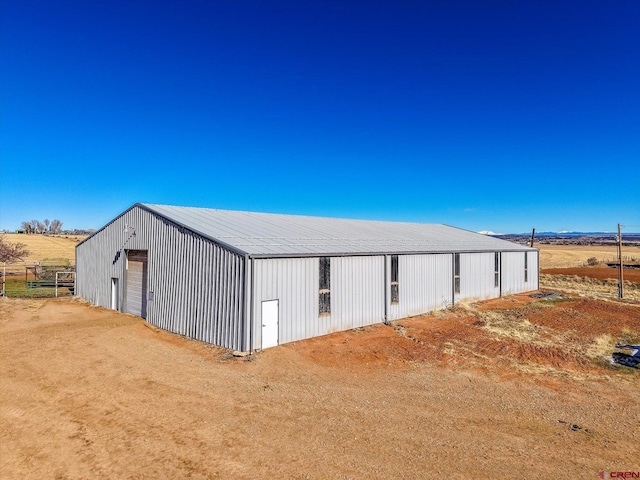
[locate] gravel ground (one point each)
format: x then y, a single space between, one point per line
514 388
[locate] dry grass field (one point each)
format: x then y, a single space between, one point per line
511 388
562 256
563 267
43 247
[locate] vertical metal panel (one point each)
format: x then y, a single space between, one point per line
294 282
424 284
513 272
477 280
357 292
534 270
357 295
197 285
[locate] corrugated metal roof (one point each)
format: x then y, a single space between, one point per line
267 234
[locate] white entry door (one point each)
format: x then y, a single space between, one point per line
114 293
269 323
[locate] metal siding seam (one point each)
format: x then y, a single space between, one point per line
244 309
284 287
281 288
256 297
226 331
287 309
221 290
203 288
219 306
186 284
194 278
180 281
197 289
239 293
164 306
180 297
233 302
207 284
297 328
229 295
218 267
216 292
249 299
169 311
212 283
224 271
166 296
190 273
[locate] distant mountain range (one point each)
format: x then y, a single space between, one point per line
570 237
559 234
567 234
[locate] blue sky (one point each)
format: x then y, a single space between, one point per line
492 115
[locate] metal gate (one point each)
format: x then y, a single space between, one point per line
137 282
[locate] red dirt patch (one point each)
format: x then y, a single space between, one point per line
601 273
505 303
498 334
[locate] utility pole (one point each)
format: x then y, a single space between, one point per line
533 234
620 279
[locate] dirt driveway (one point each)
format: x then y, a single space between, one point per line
515 388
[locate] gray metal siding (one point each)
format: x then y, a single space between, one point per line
204 290
357 292
424 284
357 295
513 280
197 286
477 276
294 282
534 270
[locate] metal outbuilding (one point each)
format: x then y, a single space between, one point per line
247 280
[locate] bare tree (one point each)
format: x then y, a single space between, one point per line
12 252
26 226
56 227
36 226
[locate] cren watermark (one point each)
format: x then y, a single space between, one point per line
603 474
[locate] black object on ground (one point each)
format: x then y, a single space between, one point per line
625 359
547 295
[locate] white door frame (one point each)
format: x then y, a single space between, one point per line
114 293
270 320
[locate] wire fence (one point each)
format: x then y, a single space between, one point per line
37 279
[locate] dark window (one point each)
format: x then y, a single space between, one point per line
526 267
395 295
325 285
496 271
456 272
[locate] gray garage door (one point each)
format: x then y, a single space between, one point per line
137 282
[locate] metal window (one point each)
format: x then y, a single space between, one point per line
324 293
526 267
395 294
456 273
496 271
